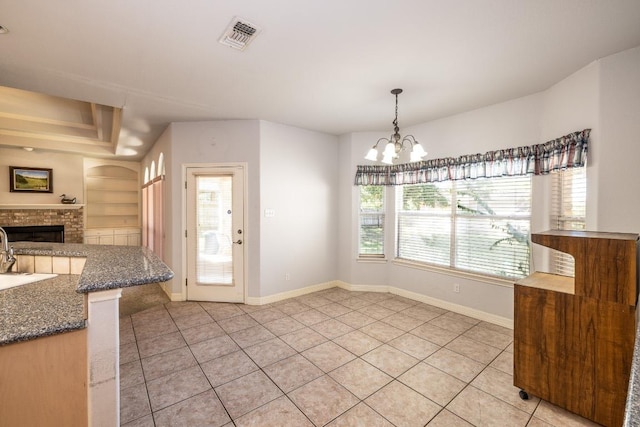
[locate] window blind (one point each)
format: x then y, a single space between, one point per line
478 225
424 222
568 211
214 230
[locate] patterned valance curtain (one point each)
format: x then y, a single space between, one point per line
569 151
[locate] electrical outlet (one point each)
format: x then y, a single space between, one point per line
456 288
287 276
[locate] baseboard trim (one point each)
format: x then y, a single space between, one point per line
289 294
456 308
173 296
362 288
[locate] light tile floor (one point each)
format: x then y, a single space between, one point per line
334 358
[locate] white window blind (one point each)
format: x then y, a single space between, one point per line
478 225
424 222
492 225
214 229
568 211
372 217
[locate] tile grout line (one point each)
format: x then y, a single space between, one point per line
331 340
202 370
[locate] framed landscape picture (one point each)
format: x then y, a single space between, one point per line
30 180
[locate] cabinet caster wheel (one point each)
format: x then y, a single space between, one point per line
523 395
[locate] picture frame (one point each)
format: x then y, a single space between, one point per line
30 180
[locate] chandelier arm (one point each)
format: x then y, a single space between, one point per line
381 139
410 138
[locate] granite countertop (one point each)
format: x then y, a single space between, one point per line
41 308
107 267
632 410
56 305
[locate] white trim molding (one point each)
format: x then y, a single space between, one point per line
290 294
456 308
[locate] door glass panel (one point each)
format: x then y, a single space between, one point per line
214 263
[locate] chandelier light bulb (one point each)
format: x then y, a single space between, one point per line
418 150
390 149
372 155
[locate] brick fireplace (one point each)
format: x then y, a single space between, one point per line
71 218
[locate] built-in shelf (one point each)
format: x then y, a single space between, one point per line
43 206
112 196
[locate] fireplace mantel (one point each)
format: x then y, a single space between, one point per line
50 206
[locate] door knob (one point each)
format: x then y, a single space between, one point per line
238 242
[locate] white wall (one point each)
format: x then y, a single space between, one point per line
68 176
604 96
618 154
299 182
570 105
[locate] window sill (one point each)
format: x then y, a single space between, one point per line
507 283
372 260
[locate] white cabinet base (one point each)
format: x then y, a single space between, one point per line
112 236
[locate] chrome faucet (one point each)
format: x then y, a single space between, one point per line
6 253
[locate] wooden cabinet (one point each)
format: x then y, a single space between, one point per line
43 382
574 338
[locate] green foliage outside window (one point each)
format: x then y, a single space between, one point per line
372 220
476 225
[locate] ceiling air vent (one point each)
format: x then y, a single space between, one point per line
239 34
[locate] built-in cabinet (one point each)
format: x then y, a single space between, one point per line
574 338
113 236
112 198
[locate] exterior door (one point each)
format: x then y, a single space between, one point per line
215 234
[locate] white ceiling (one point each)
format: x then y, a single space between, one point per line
321 65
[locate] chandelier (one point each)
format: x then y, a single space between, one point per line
396 143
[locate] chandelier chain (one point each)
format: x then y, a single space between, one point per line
395 121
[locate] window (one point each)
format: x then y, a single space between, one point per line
152 210
161 164
480 226
371 239
568 211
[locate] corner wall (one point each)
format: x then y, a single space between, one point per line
291 171
299 185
